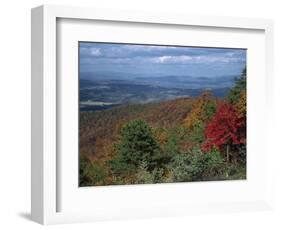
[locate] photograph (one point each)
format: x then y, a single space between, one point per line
151 113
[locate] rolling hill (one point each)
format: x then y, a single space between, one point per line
99 129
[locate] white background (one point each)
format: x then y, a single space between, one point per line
15 113
110 199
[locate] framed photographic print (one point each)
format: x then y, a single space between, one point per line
140 114
158 114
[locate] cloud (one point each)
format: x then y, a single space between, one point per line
108 55
222 59
172 59
95 52
161 54
90 51
195 59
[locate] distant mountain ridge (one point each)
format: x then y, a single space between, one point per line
167 81
105 94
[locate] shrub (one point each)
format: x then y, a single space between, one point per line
83 172
175 138
196 165
197 134
91 173
181 168
170 149
97 174
214 165
172 145
120 166
242 152
235 172
143 176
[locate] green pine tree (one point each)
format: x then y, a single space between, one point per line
136 145
240 84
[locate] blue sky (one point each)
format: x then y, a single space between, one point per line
148 60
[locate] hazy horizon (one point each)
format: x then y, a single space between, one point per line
129 60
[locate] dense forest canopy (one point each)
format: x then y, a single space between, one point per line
184 139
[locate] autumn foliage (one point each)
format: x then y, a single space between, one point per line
202 109
185 139
241 105
226 127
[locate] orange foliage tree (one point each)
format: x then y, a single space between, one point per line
161 135
202 110
241 105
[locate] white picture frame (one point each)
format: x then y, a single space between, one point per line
45 90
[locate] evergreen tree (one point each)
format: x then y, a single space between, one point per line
240 85
172 145
136 145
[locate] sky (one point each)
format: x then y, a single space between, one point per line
153 60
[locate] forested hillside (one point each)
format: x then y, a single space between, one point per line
179 140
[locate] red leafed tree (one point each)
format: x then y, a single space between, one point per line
225 128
